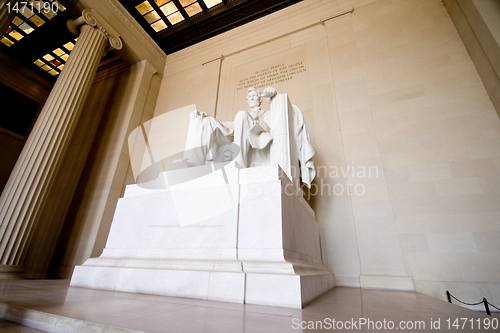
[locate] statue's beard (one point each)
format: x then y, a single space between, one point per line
253 105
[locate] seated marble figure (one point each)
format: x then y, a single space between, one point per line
253 132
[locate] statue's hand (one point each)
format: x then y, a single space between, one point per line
197 113
269 92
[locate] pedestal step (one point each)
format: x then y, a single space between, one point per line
48 322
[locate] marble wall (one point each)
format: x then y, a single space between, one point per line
407 140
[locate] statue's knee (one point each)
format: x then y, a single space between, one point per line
205 121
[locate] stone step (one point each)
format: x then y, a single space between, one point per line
48 322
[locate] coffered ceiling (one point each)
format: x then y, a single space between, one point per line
38 37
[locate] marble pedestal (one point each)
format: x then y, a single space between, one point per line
236 235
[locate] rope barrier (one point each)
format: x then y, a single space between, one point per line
464 302
484 302
493 306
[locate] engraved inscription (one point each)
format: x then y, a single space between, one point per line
272 75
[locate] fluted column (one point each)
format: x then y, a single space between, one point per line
6 15
30 181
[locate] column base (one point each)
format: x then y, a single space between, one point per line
11 272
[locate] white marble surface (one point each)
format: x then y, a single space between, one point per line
214 238
387 282
210 174
292 291
169 220
273 220
52 306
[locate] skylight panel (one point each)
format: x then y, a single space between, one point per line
172 12
193 9
17 21
144 7
38 62
26 12
175 18
48 57
58 52
169 8
211 3
26 28
7 41
16 35
53 62
30 14
159 25
37 20
69 46
161 2
152 17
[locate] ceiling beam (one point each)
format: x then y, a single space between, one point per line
160 13
203 6
218 21
181 10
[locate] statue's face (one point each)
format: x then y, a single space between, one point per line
253 99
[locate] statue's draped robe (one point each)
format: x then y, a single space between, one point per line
210 139
305 150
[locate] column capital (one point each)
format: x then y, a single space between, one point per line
93 19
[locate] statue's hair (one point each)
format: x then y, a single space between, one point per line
253 89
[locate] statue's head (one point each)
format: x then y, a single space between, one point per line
254 97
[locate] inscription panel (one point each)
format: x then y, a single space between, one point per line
272 75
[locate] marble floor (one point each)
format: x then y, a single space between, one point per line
53 306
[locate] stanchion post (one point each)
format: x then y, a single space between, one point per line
486 306
448 294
